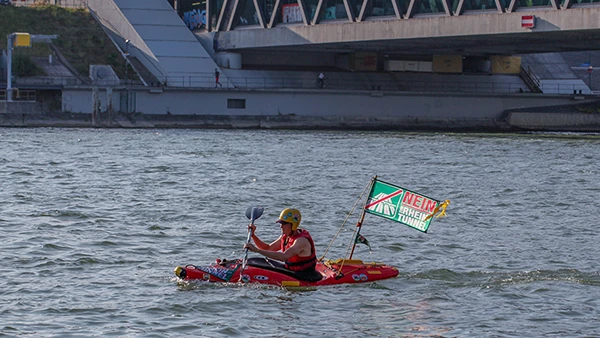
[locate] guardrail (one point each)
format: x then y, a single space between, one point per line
19 95
372 85
61 3
47 81
249 82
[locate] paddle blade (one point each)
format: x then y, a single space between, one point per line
253 213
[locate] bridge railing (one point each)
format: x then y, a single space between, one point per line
47 81
482 87
62 3
276 83
19 95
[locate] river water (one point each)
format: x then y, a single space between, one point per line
93 222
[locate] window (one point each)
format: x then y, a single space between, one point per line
236 103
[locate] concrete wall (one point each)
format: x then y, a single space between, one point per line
564 86
289 59
555 121
548 66
17 107
3 61
334 107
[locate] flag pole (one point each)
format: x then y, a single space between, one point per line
358 225
362 218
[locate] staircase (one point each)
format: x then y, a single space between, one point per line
532 82
147 77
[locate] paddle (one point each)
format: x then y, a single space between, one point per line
253 213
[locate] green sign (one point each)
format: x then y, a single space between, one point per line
402 205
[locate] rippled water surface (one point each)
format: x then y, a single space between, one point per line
93 222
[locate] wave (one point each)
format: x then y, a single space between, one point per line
493 278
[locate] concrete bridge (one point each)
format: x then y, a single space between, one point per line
275 47
503 29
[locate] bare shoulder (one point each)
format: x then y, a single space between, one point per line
303 243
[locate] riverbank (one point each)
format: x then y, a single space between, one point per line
584 117
308 110
142 121
514 122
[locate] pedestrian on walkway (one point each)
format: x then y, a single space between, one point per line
321 80
217 74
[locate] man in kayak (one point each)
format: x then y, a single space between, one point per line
295 246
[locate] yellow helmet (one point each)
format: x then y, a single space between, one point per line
289 215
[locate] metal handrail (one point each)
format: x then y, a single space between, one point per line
20 95
47 81
283 82
61 3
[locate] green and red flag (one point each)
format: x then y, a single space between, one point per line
404 206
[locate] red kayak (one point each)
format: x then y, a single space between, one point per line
271 272
384 200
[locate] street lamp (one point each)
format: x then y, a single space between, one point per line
126 61
590 70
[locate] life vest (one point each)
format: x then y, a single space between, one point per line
297 263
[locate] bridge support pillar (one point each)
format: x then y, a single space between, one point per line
229 60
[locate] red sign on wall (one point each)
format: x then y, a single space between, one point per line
528 21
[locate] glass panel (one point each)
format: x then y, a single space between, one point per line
215 10
403 6
544 3
194 14
312 8
491 4
267 6
454 7
534 3
476 5
248 14
357 4
431 6
278 14
335 10
290 12
380 8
